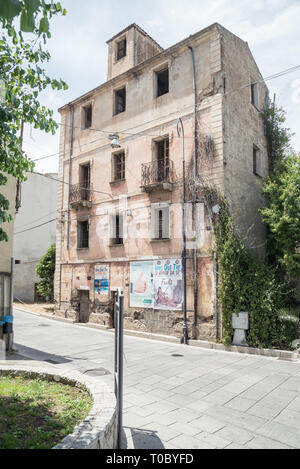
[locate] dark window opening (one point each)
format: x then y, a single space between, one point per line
254 94
117 222
160 224
83 234
120 101
84 181
121 49
17 262
87 113
162 82
119 166
162 161
257 165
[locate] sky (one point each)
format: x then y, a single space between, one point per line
79 51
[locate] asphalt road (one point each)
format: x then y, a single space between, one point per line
178 396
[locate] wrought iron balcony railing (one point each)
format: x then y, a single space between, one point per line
157 172
80 195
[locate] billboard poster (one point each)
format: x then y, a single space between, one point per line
141 284
168 284
101 282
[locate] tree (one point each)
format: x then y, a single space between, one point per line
282 213
45 270
22 78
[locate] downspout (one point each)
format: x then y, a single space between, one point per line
195 195
70 163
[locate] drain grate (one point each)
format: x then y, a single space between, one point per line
44 325
97 372
177 355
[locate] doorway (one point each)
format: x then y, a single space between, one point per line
84 306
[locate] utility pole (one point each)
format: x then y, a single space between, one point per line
180 131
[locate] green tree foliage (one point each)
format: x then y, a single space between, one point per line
282 213
45 270
22 78
248 284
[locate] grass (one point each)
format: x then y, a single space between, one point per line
38 414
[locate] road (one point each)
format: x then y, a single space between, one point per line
176 396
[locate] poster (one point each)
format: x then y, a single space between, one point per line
167 284
141 284
101 287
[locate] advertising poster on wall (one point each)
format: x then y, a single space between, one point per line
101 287
168 284
141 284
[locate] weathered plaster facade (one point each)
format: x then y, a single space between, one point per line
223 63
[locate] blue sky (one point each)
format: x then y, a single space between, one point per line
79 51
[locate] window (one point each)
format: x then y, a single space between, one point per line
162 164
116 229
257 161
162 78
87 116
84 181
120 101
119 166
160 221
254 94
121 49
82 234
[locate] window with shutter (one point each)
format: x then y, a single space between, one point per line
160 222
116 229
257 162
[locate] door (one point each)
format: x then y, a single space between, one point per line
84 308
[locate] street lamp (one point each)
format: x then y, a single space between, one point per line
114 141
180 132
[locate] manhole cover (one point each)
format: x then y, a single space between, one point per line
97 372
177 355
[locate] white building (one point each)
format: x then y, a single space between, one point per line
34 230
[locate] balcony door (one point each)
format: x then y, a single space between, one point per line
162 163
85 181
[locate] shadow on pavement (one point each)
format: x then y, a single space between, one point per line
28 353
142 439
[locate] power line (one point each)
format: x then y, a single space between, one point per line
37 226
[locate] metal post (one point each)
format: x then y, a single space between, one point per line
120 369
180 131
11 299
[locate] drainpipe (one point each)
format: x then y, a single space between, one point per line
70 163
195 195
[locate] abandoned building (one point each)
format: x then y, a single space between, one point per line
121 167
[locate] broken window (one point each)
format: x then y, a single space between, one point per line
162 166
82 234
160 221
121 49
162 78
119 166
87 116
257 162
116 229
120 101
254 94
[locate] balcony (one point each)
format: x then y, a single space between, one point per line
157 175
80 196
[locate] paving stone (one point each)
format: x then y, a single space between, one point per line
184 415
235 434
187 442
284 434
235 446
184 428
235 417
163 432
207 424
265 443
290 418
239 403
267 413
219 397
213 440
185 389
